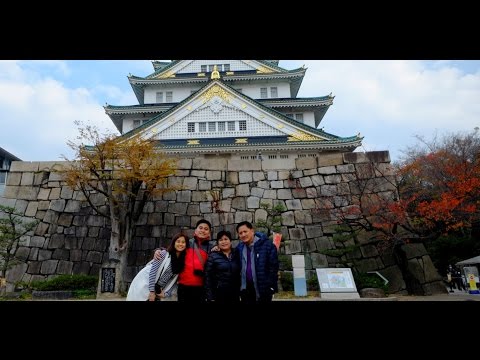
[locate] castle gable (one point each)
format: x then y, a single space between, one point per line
218 111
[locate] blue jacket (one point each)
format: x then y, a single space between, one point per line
266 264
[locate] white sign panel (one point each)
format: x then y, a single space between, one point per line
336 280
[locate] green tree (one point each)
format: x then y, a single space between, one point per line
13 227
273 222
128 172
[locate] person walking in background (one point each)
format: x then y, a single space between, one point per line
191 278
259 265
457 277
158 279
222 271
450 277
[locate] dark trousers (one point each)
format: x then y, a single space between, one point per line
191 294
249 296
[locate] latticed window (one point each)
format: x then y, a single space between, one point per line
272 156
226 67
159 97
191 127
283 156
211 127
202 127
274 92
289 115
204 68
299 117
243 125
231 126
263 93
169 96
221 126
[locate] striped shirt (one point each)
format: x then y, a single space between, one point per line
164 278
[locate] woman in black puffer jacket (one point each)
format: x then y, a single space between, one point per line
222 272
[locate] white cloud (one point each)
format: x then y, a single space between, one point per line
390 101
37 112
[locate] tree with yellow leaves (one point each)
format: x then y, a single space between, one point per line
127 172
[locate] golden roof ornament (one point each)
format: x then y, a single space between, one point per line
215 73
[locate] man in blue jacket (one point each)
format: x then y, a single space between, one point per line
259 271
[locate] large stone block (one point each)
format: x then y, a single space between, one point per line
326 159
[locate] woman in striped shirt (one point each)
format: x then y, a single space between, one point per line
162 281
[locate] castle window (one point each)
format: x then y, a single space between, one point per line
203 68
191 127
221 126
160 97
289 115
210 68
272 156
283 156
212 127
226 67
231 125
243 125
274 92
299 117
202 127
169 96
244 157
263 93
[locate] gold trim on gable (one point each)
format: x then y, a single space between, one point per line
301 136
264 70
193 142
168 74
216 91
241 141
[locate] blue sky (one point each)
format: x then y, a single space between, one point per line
388 102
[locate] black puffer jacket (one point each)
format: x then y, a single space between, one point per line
222 277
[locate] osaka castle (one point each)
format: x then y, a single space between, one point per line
238 109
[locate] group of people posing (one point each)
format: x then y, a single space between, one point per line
199 271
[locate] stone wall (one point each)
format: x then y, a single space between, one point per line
71 239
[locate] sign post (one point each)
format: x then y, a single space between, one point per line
473 286
299 280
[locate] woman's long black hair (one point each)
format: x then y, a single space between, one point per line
178 263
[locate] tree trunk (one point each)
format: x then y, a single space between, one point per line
113 272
